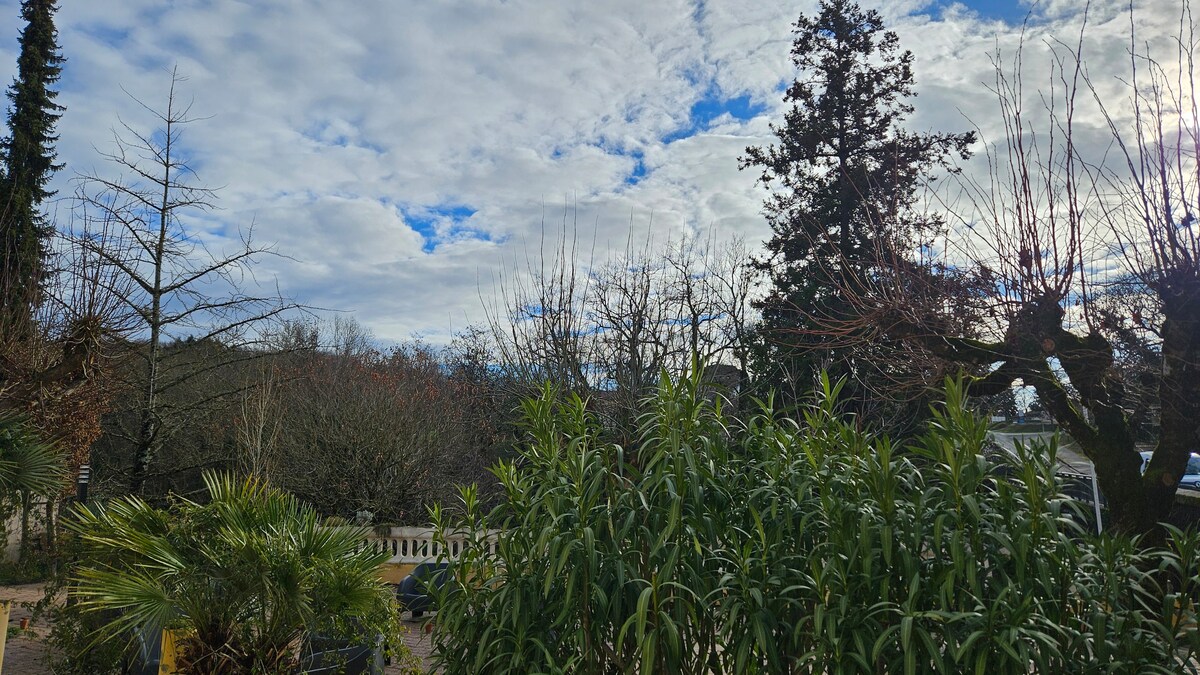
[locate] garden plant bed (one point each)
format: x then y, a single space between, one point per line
26 652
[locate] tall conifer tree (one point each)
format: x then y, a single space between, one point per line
28 163
843 179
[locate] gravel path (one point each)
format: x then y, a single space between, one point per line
25 653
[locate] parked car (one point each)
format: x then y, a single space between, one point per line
1191 475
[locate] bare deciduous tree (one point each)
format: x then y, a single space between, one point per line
257 427
607 330
178 290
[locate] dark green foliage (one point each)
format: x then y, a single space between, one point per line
844 178
246 576
28 464
29 467
28 163
782 547
74 649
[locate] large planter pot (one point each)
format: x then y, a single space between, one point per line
329 656
157 652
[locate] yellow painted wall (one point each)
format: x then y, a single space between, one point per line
392 573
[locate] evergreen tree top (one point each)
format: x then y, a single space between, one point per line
27 162
28 151
843 177
853 81
843 166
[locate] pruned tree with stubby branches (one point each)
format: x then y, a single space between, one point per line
1089 266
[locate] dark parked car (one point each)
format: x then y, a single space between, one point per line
417 591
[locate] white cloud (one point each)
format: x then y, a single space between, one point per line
331 120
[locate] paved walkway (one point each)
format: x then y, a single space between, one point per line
420 644
26 652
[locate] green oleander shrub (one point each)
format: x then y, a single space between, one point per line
774 546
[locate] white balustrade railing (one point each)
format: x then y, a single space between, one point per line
412 545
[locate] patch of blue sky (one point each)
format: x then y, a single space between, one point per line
708 109
440 224
701 116
639 166
529 311
636 154
712 107
159 138
696 76
317 131
1010 11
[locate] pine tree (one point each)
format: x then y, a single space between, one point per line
28 164
843 178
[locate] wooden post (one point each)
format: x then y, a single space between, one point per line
5 609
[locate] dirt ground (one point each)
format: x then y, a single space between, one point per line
26 652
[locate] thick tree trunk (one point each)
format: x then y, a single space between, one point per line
1179 397
1095 415
1118 472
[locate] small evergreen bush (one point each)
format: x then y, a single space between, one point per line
770 546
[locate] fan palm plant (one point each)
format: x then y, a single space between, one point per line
29 467
245 577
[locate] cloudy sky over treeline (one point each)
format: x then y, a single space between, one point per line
402 153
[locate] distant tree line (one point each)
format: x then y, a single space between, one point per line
355 430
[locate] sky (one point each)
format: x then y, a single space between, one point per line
401 154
